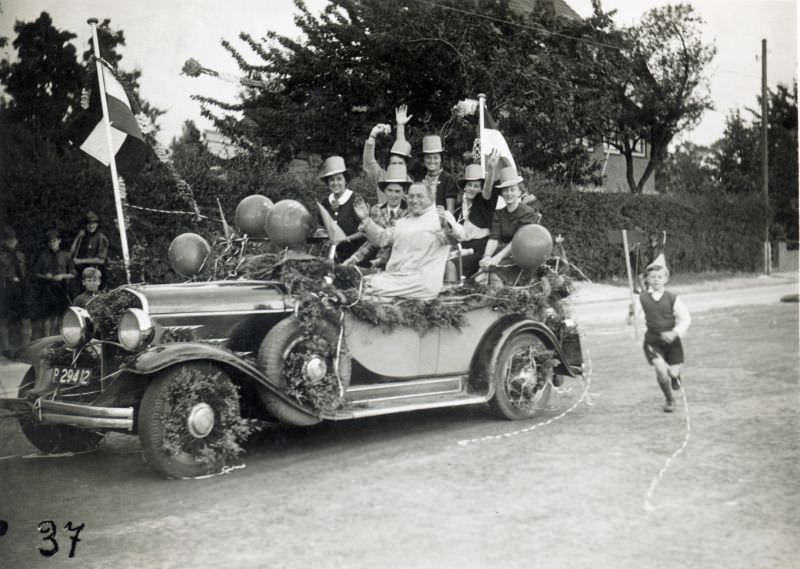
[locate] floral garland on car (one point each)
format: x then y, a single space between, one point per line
224 444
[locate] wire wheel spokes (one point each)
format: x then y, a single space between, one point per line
523 377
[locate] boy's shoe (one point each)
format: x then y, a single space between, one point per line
669 406
676 382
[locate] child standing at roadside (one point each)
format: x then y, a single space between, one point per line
91 282
667 320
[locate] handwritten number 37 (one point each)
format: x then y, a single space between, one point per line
48 528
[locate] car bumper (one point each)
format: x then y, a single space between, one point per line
84 416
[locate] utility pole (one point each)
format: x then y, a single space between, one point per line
765 158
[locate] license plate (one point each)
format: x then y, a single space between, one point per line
70 375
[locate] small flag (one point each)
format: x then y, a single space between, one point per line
127 140
491 138
335 233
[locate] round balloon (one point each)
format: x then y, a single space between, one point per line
289 224
251 215
188 253
531 246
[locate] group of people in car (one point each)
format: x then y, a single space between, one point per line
411 231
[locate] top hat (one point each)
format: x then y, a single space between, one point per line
507 177
401 148
333 165
472 173
91 216
432 144
395 174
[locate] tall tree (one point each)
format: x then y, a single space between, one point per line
359 59
651 78
687 170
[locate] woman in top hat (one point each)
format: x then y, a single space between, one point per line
385 214
340 205
506 221
478 203
399 154
443 183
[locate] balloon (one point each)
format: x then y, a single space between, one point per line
251 214
531 246
289 223
188 253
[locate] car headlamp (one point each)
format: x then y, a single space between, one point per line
135 329
76 327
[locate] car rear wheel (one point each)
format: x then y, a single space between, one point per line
522 378
184 418
50 438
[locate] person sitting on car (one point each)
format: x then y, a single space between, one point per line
508 220
420 246
385 214
339 204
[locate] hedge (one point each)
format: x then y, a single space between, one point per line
703 233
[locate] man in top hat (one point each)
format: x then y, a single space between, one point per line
443 184
399 154
420 246
90 247
54 272
385 214
339 204
14 294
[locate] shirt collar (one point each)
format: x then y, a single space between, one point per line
343 198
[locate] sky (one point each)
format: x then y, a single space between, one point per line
161 35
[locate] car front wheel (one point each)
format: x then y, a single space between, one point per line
188 420
53 439
522 378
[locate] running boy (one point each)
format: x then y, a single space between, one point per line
667 320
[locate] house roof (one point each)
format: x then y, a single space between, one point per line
560 7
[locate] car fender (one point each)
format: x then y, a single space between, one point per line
32 353
159 358
485 357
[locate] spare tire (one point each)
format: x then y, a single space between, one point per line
287 346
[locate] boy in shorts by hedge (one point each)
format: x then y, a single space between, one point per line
91 282
667 320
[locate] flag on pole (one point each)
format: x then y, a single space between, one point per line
127 139
490 138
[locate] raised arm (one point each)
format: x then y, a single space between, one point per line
401 117
491 166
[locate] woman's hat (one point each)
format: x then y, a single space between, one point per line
401 148
432 144
507 176
395 174
333 165
472 173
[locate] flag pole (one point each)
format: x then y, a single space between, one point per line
481 103
112 163
630 282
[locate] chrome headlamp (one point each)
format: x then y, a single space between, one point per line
76 327
135 329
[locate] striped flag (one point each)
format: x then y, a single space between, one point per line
88 131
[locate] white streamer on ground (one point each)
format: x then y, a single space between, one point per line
648 497
225 470
585 396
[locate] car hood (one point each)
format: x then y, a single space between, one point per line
211 297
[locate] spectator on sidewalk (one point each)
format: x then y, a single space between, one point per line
90 247
54 272
15 322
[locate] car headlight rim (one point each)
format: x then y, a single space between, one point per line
77 326
135 329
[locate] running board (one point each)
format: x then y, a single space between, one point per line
386 407
402 390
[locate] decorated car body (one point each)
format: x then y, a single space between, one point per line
194 368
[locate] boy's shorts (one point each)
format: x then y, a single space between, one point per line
654 346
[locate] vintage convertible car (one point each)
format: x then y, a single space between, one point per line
149 362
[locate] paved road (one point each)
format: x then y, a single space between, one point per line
401 492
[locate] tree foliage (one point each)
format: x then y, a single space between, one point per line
359 59
652 84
